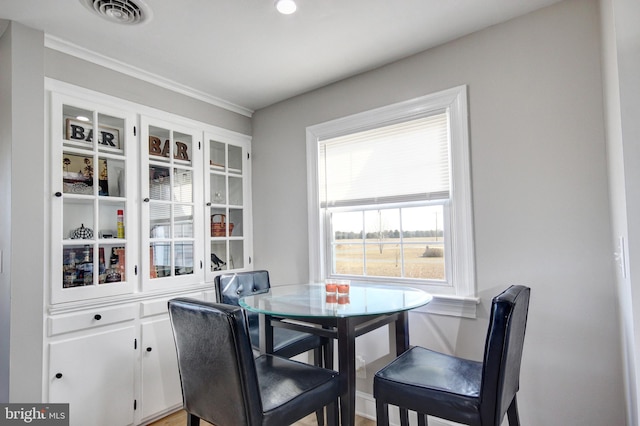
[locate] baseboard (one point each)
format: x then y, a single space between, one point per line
366 407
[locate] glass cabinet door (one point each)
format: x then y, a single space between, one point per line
171 190
92 207
226 204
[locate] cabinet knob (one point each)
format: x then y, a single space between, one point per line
97 317
209 204
58 194
149 349
146 200
58 375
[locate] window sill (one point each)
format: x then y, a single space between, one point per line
455 306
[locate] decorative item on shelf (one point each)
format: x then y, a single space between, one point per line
120 220
82 233
219 226
77 174
120 252
154 271
78 267
106 233
103 180
158 148
113 276
216 262
78 131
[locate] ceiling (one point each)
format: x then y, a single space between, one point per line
244 52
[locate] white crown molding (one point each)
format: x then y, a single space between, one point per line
64 46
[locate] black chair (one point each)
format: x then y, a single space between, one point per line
286 343
463 391
225 385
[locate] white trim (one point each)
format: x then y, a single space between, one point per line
64 46
463 302
69 89
443 304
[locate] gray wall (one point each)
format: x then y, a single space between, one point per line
621 60
63 67
5 213
540 198
22 218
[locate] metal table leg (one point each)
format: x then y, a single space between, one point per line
347 368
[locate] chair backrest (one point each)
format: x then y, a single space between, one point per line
215 361
503 353
231 287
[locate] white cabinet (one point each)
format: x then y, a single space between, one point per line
93 185
133 208
95 374
227 192
160 378
171 190
160 388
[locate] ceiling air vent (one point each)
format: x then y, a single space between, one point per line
127 12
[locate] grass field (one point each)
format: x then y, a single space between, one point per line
351 258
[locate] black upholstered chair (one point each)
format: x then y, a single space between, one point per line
225 385
463 391
287 343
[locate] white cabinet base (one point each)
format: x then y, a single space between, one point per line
95 375
160 377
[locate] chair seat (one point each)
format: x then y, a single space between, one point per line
226 385
456 389
290 389
288 343
452 391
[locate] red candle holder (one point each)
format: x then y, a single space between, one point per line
343 288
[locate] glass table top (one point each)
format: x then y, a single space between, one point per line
312 300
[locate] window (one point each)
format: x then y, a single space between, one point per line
390 196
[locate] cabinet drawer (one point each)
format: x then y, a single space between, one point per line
96 317
159 306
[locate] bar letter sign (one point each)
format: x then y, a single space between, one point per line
80 131
161 149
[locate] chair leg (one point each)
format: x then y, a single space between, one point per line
422 420
404 417
193 420
317 361
512 413
332 414
382 413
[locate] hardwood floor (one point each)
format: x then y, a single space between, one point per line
179 418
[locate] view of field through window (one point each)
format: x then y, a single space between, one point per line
405 242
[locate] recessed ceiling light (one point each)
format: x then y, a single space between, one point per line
119 11
82 118
286 7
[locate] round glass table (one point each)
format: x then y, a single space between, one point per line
341 316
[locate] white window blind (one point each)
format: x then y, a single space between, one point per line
400 162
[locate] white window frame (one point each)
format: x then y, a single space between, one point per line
460 297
